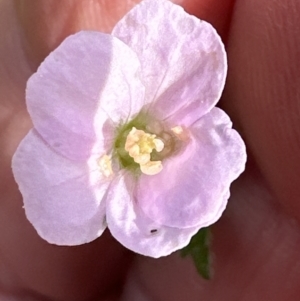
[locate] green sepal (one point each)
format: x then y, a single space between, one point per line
199 249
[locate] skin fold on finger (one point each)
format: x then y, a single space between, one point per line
263 90
255 247
32 268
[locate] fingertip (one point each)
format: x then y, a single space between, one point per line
44 24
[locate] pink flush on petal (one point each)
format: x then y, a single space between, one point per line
127 136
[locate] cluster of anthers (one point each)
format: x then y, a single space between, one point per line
139 146
145 148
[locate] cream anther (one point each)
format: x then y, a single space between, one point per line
177 130
139 146
105 166
180 132
151 168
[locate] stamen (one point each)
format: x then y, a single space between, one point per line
105 166
139 146
177 130
180 132
152 168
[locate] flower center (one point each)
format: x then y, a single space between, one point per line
139 146
142 144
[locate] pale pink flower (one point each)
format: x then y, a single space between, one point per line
126 135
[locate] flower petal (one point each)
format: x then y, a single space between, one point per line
60 200
183 59
132 228
84 86
192 189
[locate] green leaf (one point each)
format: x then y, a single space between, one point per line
199 248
